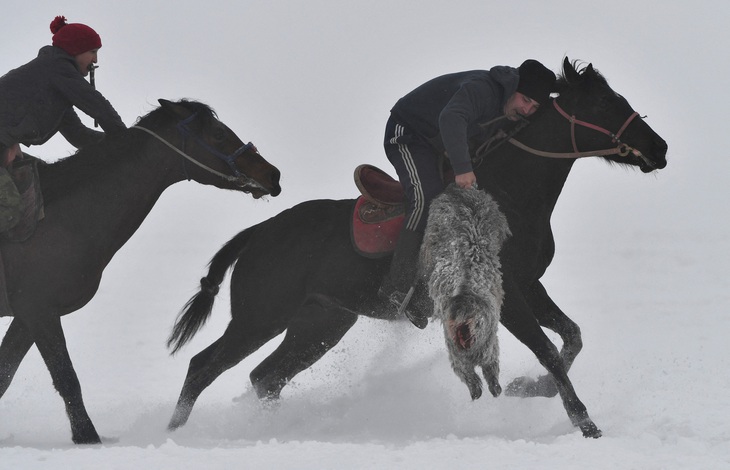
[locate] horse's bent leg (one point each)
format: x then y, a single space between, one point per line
314 330
49 339
209 364
15 346
550 316
519 320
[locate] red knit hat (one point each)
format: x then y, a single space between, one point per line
74 38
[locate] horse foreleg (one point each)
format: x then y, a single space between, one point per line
15 346
519 320
316 328
550 316
49 339
209 364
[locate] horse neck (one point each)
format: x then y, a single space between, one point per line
527 180
115 195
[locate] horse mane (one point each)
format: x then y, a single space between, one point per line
161 116
83 168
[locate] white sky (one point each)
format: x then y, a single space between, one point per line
311 84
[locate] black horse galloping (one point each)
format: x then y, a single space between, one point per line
94 202
298 271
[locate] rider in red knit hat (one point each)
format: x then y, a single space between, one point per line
37 100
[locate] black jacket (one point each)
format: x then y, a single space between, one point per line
447 110
37 100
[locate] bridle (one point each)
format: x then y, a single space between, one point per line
622 149
240 179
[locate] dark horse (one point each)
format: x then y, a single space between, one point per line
298 271
94 201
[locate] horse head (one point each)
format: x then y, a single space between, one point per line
589 104
214 153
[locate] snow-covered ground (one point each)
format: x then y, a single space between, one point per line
653 374
641 261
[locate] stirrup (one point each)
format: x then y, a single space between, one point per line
419 321
400 301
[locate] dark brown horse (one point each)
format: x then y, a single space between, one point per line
94 202
297 272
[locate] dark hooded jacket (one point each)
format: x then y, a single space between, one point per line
37 100
448 110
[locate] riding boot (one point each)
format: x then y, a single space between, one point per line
399 284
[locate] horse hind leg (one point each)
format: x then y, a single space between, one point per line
227 351
316 328
14 347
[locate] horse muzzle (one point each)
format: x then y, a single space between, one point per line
256 189
647 164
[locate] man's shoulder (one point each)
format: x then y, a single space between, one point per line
50 57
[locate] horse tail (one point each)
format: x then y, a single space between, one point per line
197 310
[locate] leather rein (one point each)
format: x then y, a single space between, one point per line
621 149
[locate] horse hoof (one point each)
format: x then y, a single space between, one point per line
270 404
175 424
590 430
87 440
528 387
520 387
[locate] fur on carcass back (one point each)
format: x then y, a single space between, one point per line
461 266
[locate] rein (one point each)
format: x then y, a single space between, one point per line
239 178
622 149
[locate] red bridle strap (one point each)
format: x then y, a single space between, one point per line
573 121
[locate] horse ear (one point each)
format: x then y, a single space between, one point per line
173 108
569 72
590 70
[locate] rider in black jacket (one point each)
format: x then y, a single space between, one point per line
438 119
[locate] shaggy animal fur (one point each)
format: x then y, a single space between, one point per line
460 263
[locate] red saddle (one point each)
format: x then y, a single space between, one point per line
379 213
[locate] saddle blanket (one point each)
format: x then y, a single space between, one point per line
375 229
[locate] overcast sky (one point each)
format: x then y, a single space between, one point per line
311 84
